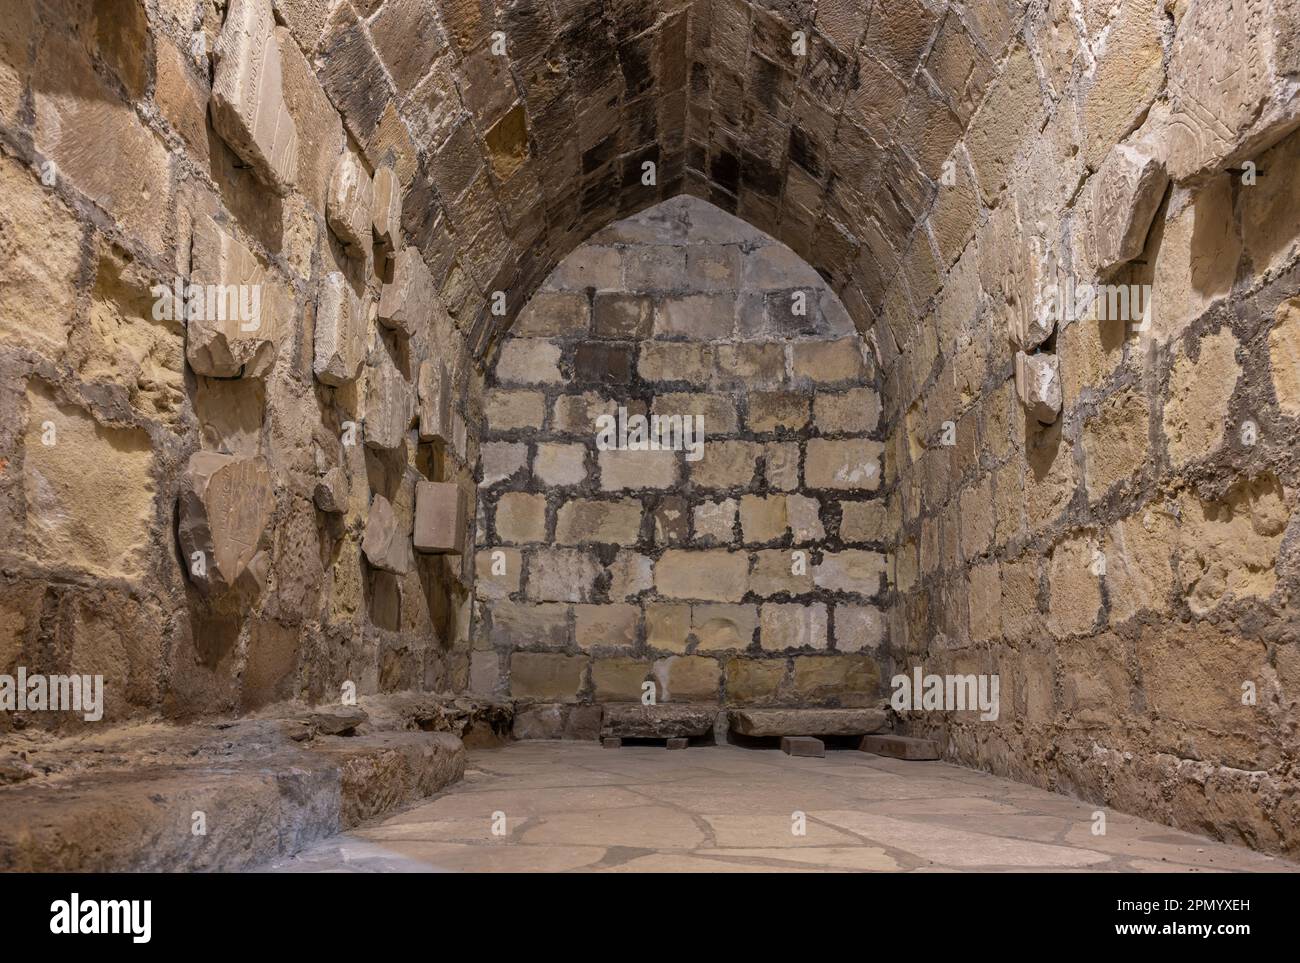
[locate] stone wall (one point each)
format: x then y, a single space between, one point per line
186 501
1102 509
746 572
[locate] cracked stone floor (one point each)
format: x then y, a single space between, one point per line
573 806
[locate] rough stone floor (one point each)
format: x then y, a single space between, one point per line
575 806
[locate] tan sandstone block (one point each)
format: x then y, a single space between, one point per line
547 676
712 575
687 678
668 626
248 106
562 575
1075 591
1115 441
340 336
844 465
720 627
850 680
560 464
763 517
1199 390
583 520
792 625
521 518
615 624
441 510
753 681
619 680
637 470
1284 357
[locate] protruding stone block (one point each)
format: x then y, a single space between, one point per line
349 207
409 299
386 213
248 105
1129 187
434 405
440 518
803 746
340 344
1033 283
231 310
225 504
900 747
1038 385
611 742
808 722
331 492
631 720
678 742
1232 69
389 403
385 544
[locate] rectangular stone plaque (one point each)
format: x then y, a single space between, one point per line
439 518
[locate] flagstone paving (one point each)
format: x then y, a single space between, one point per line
573 806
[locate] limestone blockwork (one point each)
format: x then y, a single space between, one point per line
303 304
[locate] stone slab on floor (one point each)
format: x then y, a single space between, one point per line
803 746
631 720
213 797
808 722
900 747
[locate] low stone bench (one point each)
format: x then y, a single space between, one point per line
631 720
808 722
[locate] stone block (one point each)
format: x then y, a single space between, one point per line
233 308
622 470
1038 385
614 522
387 543
900 747
803 746
226 503
720 627
852 571
340 336
763 518
792 625
1128 188
349 205
389 403
687 678
611 625
551 676
1222 115
677 742
528 361
619 315
636 721
711 575
751 681
248 107
846 465
618 680
410 298
560 465
850 680
386 210
808 722
433 402
521 518
441 523
562 575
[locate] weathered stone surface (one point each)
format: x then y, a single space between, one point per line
410 298
340 344
433 397
248 106
349 206
844 465
1129 187
387 543
1038 385
1222 114
225 506
900 747
234 310
636 721
440 519
808 722
389 403
386 212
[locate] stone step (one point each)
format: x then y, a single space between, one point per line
803 746
215 797
900 747
808 722
631 720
